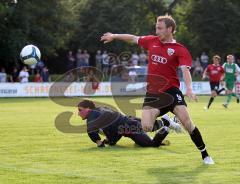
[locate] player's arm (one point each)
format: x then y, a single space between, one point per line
205 74
94 136
188 81
109 37
237 70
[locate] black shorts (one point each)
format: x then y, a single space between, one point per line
165 101
214 86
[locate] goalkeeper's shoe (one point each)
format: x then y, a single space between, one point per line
208 160
172 124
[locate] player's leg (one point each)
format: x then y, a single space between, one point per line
182 113
143 140
213 95
230 86
168 122
149 115
137 134
229 98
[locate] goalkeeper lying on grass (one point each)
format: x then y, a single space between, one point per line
115 125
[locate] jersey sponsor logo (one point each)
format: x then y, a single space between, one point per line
170 51
159 59
229 70
156 46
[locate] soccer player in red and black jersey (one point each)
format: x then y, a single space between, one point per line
215 73
165 55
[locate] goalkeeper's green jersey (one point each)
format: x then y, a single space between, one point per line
230 71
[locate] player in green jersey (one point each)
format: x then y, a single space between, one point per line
231 70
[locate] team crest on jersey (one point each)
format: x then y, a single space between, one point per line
170 51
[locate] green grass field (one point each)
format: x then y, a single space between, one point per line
32 150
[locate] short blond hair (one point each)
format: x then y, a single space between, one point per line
169 21
217 57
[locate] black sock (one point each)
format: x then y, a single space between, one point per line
210 102
160 136
219 91
198 141
165 122
157 125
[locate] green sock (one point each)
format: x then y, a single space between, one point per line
234 94
229 97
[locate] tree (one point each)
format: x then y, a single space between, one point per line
212 25
48 24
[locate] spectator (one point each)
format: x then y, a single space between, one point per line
80 60
195 63
32 69
24 75
70 60
40 65
116 73
45 75
134 59
3 75
86 57
238 62
132 75
204 60
142 58
14 75
105 63
37 77
198 69
98 59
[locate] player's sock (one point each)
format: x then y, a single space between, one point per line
160 136
165 122
229 97
198 141
219 91
210 102
234 94
159 124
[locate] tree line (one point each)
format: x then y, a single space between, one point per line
56 26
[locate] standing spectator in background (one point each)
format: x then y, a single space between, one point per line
70 60
142 58
80 61
3 75
105 63
196 62
134 59
86 57
24 75
198 69
132 75
98 59
45 75
204 60
238 62
14 75
37 77
32 69
40 65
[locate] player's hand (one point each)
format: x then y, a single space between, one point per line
100 144
107 37
191 95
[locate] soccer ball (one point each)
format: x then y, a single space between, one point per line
30 55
